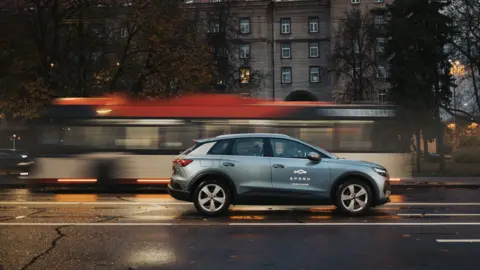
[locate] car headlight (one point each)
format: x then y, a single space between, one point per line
381 171
24 156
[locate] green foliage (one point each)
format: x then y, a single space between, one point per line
418 32
467 155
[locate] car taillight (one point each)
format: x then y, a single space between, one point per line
182 162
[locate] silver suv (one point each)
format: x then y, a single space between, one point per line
273 169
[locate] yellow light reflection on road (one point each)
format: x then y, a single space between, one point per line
322 209
153 196
321 217
76 197
397 198
247 217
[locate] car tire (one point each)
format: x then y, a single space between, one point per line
357 203
205 196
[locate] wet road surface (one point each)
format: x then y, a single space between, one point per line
420 229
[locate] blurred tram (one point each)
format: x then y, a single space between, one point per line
116 140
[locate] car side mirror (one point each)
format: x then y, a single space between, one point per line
314 156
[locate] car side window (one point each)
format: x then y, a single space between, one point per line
290 149
248 147
219 148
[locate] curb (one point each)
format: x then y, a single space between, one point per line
435 185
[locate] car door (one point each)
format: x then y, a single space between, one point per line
247 165
292 171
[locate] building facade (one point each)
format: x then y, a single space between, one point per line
287 42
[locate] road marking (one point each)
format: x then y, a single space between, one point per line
438 215
458 240
434 204
371 224
239 207
93 203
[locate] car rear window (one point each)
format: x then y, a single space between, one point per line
190 149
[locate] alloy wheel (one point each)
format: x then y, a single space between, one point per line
354 198
211 198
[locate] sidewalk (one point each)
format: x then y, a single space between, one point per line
465 182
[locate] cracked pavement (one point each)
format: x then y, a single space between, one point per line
153 231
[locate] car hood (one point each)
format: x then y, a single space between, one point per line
358 162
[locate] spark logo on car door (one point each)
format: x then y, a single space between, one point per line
300 178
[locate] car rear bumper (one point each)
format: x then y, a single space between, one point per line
178 194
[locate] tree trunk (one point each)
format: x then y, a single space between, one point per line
439 127
419 150
425 145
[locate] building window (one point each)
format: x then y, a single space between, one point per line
244 51
313 23
214 27
379 20
355 1
245 26
285 26
286 75
313 50
286 51
380 45
381 72
314 74
378 1
244 75
382 95
123 32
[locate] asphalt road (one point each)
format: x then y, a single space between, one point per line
421 229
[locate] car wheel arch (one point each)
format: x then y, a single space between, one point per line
213 174
356 175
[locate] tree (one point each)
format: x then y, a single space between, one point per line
353 59
163 54
69 37
231 53
465 41
420 81
23 93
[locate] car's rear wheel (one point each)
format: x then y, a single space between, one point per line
212 197
354 197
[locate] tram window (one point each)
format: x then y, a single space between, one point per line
139 138
177 137
104 137
354 137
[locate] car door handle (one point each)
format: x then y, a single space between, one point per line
228 164
278 166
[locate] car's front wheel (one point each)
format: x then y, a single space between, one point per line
354 197
212 197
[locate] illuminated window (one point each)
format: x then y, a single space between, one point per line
245 75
